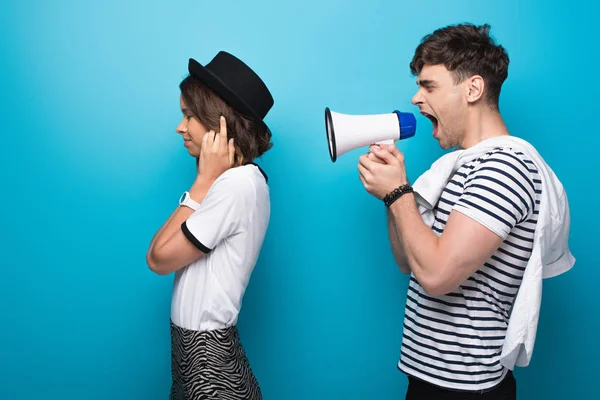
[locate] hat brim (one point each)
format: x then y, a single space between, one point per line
199 72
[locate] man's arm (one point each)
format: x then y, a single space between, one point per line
498 195
441 264
396 244
393 234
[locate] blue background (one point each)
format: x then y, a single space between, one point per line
91 167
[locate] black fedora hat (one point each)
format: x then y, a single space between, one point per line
236 83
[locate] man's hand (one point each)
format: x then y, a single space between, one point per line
383 170
372 156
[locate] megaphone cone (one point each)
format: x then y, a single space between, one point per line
347 132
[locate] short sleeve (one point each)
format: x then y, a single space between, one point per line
499 193
221 214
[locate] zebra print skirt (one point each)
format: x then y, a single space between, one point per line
210 365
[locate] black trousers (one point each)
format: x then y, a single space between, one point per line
420 390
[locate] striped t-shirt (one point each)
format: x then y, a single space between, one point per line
455 340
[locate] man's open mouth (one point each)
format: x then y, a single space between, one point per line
434 121
431 118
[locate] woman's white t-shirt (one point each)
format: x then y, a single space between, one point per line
229 225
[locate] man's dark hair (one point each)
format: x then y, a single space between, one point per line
465 50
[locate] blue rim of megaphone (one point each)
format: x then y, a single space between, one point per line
408 124
329 132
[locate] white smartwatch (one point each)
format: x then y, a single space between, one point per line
187 201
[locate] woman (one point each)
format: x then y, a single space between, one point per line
213 239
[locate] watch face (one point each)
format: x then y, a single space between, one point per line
183 197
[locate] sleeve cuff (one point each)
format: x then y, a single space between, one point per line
193 239
484 219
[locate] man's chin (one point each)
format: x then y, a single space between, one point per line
444 145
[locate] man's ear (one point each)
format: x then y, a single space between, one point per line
475 87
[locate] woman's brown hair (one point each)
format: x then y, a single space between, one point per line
251 139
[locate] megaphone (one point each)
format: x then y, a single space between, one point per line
347 132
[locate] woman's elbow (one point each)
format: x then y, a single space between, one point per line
154 265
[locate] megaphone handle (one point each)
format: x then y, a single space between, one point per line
388 141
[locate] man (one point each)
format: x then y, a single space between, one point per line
468 230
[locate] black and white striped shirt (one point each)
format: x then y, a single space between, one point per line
455 340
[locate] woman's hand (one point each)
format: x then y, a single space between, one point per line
217 154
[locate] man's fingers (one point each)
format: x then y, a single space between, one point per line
365 162
395 152
364 182
392 148
375 159
364 173
385 155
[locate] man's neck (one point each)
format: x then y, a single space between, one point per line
483 123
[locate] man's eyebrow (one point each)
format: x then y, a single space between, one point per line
426 83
